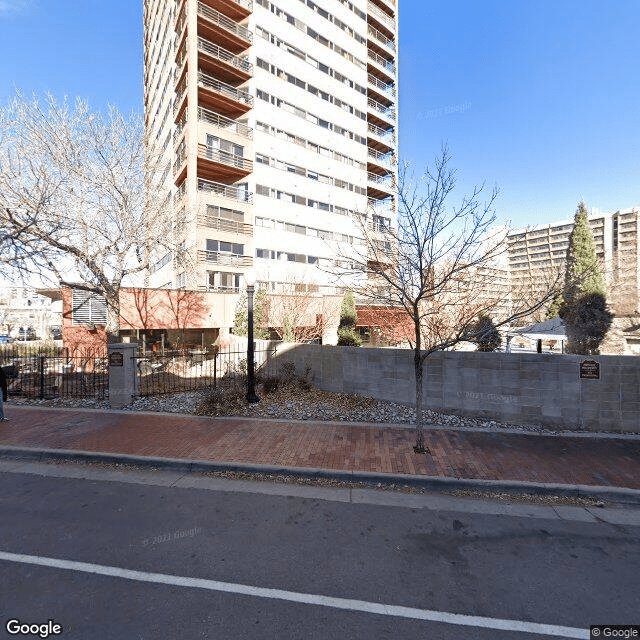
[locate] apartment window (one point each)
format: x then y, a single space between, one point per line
381 223
181 281
225 247
213 142
224 280
615 233
224 213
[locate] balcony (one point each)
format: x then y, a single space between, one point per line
223 64
384 182
180 167
180 21
228 259
177 134
380 207
179 195
380 39
217 27
380 113
386 89
229 192
227 226
379 186
222 98
389 4
378 162
380 139
235 9
378 14
216 163
381 67
180 102
225 124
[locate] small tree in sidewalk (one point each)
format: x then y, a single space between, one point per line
440 264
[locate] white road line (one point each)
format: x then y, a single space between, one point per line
304 598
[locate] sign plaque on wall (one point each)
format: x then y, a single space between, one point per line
116 359
590 369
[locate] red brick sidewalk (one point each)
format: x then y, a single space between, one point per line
454 454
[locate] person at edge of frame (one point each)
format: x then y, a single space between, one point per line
3 397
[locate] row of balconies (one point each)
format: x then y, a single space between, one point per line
220 103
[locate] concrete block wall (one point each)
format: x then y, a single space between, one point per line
532 389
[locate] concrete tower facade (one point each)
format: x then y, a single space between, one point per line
277 121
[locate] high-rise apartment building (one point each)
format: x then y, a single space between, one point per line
535 252
278 123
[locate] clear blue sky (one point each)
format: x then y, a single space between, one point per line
539 97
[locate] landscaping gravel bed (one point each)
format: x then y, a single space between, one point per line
289 402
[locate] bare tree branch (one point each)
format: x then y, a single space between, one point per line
74 207
443 265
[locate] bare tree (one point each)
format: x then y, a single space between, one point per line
298 312
81 197
443 265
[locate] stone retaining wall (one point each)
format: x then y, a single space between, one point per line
510 387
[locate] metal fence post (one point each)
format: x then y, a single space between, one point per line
41 377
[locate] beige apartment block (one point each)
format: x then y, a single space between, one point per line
278 123
536 253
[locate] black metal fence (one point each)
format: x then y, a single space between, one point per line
197 369
50 374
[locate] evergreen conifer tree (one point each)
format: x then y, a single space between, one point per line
584 309
287 332
241 320
487 336
347 335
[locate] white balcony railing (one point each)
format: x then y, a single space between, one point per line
224 157
386 180
383 17
228 226
223 21
215 51
388 135
209 82
221 122
387 65
387 88
388 112
229 259
230 192
381 38
383 159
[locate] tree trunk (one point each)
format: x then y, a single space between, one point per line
112 327
418 364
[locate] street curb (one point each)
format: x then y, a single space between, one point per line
617 495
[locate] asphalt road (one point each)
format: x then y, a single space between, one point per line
226 559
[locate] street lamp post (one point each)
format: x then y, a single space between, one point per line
250 280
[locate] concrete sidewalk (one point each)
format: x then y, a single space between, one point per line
570 464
